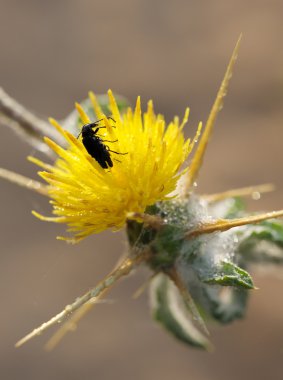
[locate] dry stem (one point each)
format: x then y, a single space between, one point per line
88 298
30 123
23 181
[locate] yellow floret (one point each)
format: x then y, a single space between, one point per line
90 199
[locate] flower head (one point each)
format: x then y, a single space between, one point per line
121 165
146 154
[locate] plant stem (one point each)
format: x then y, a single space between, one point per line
23 181
90 297
27 120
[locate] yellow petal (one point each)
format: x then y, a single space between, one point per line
146 156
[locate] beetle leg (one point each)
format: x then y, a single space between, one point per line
96 123
113 151
109 117
116 160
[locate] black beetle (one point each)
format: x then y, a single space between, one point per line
95 145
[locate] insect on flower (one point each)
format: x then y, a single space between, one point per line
95 145
188 241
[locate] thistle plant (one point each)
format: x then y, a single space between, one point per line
199 248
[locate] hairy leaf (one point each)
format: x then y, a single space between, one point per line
170 311
229 274
262 242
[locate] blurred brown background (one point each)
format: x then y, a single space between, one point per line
51 54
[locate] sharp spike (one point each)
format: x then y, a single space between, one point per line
88 298
241 192
218 103
23 181
226 224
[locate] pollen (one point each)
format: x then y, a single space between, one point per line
147 158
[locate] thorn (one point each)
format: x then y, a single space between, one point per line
23 181
216 108
226 224
241 192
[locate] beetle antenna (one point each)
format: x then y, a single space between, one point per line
107 117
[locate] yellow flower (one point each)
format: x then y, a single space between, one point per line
90 199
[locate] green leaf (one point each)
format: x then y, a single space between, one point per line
262 242
206 264
225 304
208 267
213 260
169 310
229 274
166 246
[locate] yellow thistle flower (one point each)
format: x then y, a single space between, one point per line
90 199
182 248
